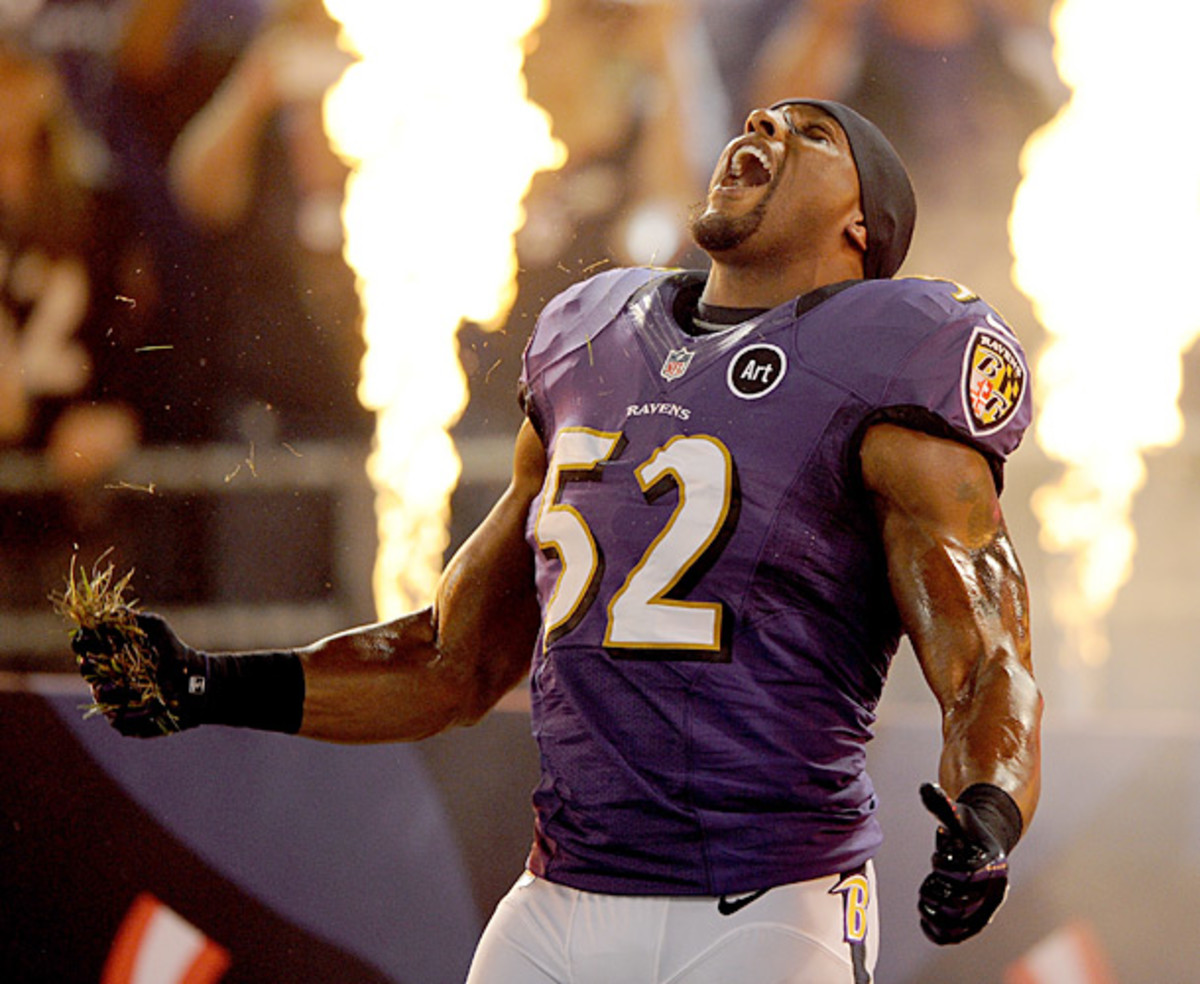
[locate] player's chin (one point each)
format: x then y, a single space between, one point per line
719 231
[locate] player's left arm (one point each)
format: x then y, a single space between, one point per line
963 601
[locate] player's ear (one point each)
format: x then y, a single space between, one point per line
856 232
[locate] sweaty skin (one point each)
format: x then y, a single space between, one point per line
963 601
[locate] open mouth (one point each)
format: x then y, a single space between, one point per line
749 167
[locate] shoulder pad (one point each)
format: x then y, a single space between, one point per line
582 311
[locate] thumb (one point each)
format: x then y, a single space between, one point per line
937 801
159 635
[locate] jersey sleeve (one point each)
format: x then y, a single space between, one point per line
966 379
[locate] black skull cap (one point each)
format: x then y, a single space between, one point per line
888 202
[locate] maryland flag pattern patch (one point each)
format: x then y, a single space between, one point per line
994 381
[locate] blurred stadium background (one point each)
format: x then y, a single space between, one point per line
258 505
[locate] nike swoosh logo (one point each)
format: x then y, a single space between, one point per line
727 906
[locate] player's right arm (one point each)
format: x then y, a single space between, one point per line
393 681
447 665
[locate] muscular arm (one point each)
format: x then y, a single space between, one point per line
447 665
963 602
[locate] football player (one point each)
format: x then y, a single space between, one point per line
734 491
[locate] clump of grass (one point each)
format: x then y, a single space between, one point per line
120 663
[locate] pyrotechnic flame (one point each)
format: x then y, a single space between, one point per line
1106 233
443 144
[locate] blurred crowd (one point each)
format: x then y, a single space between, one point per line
171 267
170 241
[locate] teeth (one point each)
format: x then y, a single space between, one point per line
737 165
756 152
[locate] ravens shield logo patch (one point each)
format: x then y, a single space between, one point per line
994 380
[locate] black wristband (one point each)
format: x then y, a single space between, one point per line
262 690
996 810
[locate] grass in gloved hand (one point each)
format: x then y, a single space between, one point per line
110 646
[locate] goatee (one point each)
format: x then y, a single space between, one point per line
714 232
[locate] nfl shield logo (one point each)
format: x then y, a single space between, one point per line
675 364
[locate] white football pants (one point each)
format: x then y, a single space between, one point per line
823 931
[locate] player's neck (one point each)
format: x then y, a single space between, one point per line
758 286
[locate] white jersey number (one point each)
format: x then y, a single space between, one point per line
643 621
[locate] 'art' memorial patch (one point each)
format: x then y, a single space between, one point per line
756 370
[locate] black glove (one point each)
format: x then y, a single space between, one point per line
970 864
262 690
179 671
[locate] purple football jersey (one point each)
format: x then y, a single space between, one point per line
717 622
